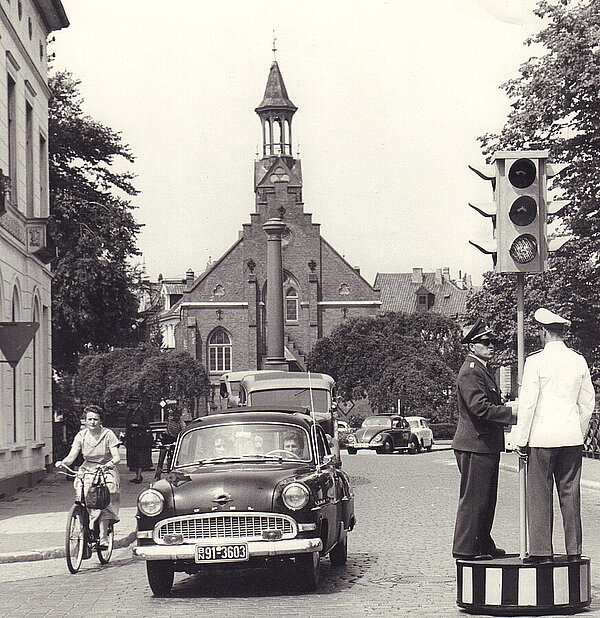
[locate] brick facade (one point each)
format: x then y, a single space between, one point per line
231 294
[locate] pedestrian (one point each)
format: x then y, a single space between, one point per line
555 406
477 444
99 447
138 438
175 424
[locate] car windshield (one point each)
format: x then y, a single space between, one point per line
294 397
243 441
414 424
377 421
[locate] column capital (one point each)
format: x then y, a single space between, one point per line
274 227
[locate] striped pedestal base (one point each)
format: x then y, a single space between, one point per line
506 586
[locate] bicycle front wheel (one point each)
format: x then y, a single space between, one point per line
75 539
105 554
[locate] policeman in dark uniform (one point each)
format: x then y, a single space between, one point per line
477 444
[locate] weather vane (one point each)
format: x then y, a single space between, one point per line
274 45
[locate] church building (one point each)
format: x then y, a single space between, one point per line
221 315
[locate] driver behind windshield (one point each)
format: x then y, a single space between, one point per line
292 444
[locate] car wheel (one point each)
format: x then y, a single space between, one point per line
339 554
430 445
308 571
351 451
160 576
414 446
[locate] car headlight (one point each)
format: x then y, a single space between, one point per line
295 496
378 438
351 438
151 502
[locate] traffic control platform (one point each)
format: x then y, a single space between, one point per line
507 587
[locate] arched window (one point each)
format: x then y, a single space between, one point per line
291 305
219 351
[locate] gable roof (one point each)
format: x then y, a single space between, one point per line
399 293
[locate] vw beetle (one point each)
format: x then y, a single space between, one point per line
246 488
384 434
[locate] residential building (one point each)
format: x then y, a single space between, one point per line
418 291
25 390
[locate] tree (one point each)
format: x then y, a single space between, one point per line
396 355
555 107
93 301
107 378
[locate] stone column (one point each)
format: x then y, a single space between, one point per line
275 350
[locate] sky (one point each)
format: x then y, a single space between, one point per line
391 97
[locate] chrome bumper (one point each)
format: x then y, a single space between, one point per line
359 445
255 549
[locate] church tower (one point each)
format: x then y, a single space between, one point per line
277 175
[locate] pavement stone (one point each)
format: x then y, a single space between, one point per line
399 561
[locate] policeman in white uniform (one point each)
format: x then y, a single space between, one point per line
555 406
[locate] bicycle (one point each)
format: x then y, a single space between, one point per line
81 540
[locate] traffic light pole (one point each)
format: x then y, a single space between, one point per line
520 365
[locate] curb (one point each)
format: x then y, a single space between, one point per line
587 484
57 552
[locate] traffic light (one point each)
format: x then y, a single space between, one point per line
520 210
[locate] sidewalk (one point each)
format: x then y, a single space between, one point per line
33 521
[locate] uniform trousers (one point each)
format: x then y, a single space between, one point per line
546 466
476 503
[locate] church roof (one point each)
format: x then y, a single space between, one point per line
276 95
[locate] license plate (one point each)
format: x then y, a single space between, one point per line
229 552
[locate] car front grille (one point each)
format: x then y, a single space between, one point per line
242 526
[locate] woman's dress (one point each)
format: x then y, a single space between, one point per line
96 452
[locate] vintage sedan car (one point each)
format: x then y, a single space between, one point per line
383 433
420 429
247 487
343 432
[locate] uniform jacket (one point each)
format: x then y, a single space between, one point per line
557 398
481 417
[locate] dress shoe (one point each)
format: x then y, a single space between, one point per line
102 546
573 557
497 552
472 556
538 560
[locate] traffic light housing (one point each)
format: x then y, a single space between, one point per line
520 210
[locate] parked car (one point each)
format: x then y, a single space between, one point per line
250 486
420 429
343 432
384 433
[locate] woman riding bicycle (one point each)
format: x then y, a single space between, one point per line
100 449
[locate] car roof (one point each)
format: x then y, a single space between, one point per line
415 418
253 415
385 416
286 379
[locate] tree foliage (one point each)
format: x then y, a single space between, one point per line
93 301
555 107
107 378
411 357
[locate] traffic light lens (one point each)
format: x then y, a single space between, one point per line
523 249
522 173
523 211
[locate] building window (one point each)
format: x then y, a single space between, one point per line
12 139
29 159
291 305
219 352
169 336
422 302
43 170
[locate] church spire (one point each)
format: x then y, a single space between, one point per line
275 112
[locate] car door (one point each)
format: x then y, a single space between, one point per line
332 490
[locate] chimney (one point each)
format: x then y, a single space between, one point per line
417 276
438 276
446 273
189 279
357 270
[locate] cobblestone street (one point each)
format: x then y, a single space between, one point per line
399 558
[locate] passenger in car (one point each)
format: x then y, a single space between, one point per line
292 444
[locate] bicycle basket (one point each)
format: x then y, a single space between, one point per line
98 494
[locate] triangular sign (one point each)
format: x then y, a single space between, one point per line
15 338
